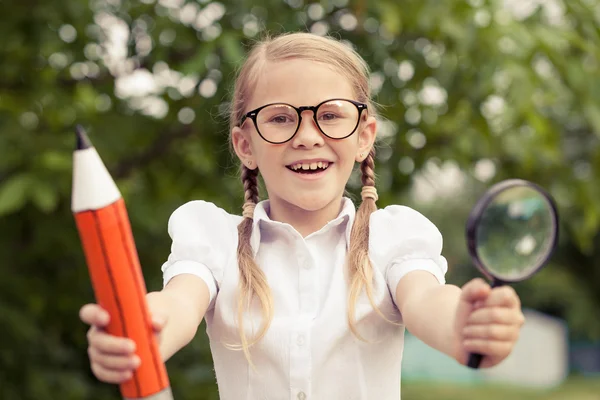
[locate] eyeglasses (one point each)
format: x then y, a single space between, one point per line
278 123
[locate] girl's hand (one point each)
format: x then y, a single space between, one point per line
488 322
112 358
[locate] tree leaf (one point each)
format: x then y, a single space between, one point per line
44 196
13 194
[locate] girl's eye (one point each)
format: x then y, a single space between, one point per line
328 116
280 119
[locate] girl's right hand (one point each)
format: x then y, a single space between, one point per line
112 358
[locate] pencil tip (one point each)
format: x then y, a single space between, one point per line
83 142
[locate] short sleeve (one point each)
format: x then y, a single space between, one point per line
204 238
402 240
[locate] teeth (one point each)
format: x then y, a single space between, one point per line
311 166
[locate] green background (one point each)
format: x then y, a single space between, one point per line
471 92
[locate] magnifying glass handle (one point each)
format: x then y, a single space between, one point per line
474 360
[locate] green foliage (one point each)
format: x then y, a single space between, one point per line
460 83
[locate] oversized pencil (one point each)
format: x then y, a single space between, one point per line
114 268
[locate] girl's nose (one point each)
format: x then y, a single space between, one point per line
308 134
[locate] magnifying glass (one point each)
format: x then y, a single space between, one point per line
511 233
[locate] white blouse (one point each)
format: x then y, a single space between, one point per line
309 351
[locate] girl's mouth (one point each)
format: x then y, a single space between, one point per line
309 168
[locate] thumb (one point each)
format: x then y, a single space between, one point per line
475 291
159 321
158 313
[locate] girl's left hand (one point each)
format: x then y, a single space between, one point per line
488 322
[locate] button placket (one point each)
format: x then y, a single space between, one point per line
300 355
307 286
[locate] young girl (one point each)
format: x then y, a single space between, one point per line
304 296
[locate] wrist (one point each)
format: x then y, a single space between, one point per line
457 351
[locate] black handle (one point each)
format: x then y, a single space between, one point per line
474 360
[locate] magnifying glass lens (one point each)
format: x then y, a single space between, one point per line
515 233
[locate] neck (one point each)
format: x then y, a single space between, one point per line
304 221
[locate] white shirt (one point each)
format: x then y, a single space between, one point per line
309 351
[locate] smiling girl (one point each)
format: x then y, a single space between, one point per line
304 296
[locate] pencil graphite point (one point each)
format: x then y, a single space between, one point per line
83 142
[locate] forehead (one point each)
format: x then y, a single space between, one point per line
298 82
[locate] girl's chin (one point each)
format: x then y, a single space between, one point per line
314 203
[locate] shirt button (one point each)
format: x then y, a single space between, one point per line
300 340
301 396
307 264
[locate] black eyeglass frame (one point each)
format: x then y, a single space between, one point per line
299 110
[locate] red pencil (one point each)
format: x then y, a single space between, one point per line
114 268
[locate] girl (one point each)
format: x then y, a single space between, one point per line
303 296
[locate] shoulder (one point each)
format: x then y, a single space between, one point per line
204 239
399 220
398 232
196 216
402 240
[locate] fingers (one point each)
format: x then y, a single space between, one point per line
504 296
478 292
493 332
496 315
475 290
93 314
496 349
493 323
112 358
113 362
110 344
110 376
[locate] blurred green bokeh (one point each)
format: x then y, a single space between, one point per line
471 92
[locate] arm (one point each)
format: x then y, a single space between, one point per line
181 306
428 310
459 321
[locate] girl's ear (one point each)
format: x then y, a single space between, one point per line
243 147
366 138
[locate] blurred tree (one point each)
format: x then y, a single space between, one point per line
471 92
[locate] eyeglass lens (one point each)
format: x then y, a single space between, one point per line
336 119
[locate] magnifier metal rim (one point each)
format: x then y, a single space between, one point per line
475 218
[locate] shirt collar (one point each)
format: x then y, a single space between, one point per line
261 216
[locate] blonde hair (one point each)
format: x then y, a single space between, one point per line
253 283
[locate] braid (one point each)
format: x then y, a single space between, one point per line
360 269
253 282
250 181
367 168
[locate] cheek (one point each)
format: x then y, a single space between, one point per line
347 152
346 159
262 153
269 161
